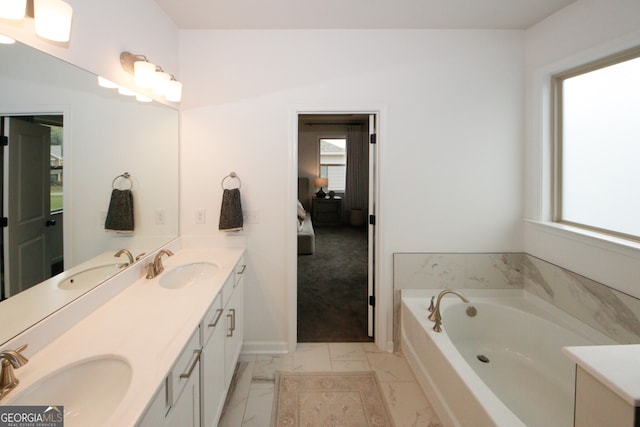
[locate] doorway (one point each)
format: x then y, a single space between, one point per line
335 271
31 180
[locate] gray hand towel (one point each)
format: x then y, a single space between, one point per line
120 214
231 211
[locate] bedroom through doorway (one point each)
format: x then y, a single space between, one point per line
335 240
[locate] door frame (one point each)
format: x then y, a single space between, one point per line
52 110
382 299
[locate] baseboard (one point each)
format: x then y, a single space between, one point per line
265 347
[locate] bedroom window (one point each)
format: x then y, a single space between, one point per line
333 162
597 146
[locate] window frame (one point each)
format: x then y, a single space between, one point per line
557 81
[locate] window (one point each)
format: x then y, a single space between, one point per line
597 146
56 161
333 162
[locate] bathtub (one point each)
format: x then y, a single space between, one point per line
501 367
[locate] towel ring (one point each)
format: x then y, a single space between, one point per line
126 176
231 175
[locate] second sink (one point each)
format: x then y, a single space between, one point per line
90 277
188 275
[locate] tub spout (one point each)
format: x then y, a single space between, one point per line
435 316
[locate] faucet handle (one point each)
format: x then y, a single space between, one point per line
15 357
151 271
431 305
11 359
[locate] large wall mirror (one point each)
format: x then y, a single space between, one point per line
71 143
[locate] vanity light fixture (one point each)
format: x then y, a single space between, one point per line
102 82
52 18
125 91
6 40
108 84
150 76
13 9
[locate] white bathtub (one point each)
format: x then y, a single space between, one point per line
527 381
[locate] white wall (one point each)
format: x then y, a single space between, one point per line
450 143
584 31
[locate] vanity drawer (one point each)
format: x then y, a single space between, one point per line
184 368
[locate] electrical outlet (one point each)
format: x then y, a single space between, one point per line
201 216
250 217
160 216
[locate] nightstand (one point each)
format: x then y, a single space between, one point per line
327 211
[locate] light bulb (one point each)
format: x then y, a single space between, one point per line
6 40
106 83
160 82
126 92
52 19
174 91
144 73
13 9
142 98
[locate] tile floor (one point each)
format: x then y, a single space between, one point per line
251 398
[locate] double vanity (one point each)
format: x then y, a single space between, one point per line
150 353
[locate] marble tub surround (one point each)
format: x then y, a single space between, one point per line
607 310
453 271
457 271
145 324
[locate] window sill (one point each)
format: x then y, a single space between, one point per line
591 238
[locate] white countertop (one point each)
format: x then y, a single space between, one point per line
616 366
145 324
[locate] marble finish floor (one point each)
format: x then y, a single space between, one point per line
250 399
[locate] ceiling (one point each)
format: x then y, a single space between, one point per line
359 14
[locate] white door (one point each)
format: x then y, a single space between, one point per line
26 205
372 221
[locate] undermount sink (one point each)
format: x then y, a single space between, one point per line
89 390
188 275
90 277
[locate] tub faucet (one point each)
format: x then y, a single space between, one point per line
435 316
125 252
156 267
11 359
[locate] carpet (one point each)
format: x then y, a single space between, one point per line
332 287
337 399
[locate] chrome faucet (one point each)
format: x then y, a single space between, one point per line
435 316
125 252
11 359
154 268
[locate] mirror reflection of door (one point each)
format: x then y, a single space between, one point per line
32 181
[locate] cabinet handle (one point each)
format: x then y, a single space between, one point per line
196 359
217 319
168 396
232 315
238 273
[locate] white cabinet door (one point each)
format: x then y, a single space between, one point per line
213 369
186 409
234 318
155 415
183 386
